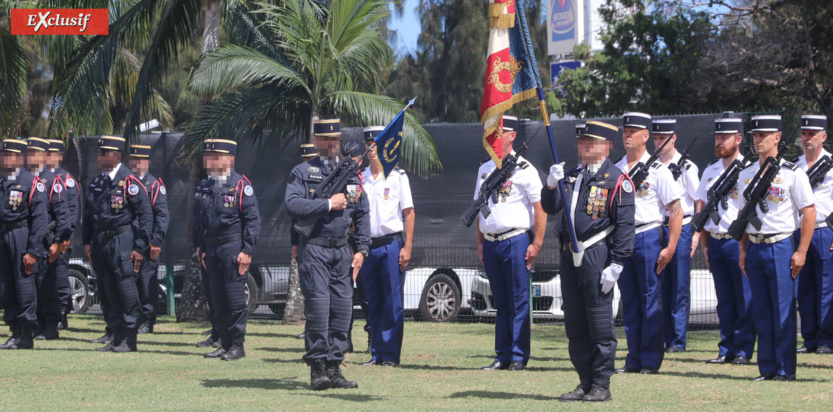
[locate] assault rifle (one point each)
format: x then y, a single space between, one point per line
639 172
333 184
677 168
717 194
819 170
491 187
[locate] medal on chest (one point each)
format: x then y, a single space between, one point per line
776 194
15 199
643 189
505 190
387 193
116 203
354 193
228 201
596 201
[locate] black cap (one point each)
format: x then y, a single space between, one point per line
220 146
636 119
140 151
371 132
308 150
37 143
509 123
56 145
352 149
329 127
579 129
768 123
728 126
599 130
664 126
14 146
111 143
813 122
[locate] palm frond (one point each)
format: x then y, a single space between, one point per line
13 68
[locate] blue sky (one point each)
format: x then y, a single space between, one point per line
408 27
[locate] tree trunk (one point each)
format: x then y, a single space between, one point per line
193 305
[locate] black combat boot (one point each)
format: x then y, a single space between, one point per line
49 332
318 379
26 339
12 340
336 378
599 393
216 354
234 352
64 323
106 338
127 344
577 394
146 327
207 343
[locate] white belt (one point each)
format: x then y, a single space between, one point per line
582 246
721 236
646 227
768 239
686 220
821 225
512 233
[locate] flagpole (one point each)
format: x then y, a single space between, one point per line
540 89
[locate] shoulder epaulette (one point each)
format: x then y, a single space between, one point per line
572 172
714 162
795 159
790 165
749 165
487 159
523 165
656 165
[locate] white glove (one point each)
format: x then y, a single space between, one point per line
556 174
609 277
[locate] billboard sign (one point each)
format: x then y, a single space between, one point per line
562 21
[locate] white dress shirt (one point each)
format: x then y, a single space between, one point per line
657 191
514 208
387 198
688 183
790 191
730 213
823 191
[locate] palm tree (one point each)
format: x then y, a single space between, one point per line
306 62
13 68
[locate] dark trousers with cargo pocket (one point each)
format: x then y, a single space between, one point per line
228 292
114 272
327 285
49 304
62 281
588 316
19 294
149 289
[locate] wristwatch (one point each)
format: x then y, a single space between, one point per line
363 252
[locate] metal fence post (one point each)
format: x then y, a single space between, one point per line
169 272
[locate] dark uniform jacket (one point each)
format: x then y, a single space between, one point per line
335 224
24 200
158 196
72 196
115 203
59 227
227 209
607 196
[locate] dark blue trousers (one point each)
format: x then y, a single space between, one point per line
815 291
114 272
734 299
383 284
65 292
20 299
49 305
206 287
148 283
641 309
228 292
768 268
505 265
676 278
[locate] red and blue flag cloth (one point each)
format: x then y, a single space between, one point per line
511 73
389 141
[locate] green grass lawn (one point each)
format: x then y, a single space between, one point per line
439 371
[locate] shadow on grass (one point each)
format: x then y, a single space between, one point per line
275 360
293 350
352 397
753 373
270 384
500 395
273 335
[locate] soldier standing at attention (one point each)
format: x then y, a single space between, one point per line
815 282
640 280
116 234
326 263
383 272
57 234
23 220
157 193
734 298
676 278
599 199
229 223
507 248
769 257
71 197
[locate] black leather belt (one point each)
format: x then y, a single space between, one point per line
385 240
8 227
326 242
107 234
222 240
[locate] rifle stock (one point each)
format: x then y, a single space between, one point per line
489 187
717 193
639 172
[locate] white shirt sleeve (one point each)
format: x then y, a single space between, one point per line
533 184
692 181
477 185
801 193
667 189
702 192
405 199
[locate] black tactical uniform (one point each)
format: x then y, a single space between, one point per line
112 207
58 231
148 277
71 198
229 224
605 205
23 220
324 262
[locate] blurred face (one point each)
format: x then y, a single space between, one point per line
766 143
726 145
659 139
328 146
108 159
508 140
811 140
12 161
593 151
35 159
217 164
139 165
634 137
371 154
53 159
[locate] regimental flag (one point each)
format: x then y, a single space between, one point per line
511 73
389 142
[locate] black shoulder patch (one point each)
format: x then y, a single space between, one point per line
790 165
795 159
656 165
714 162
487 159
523 165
